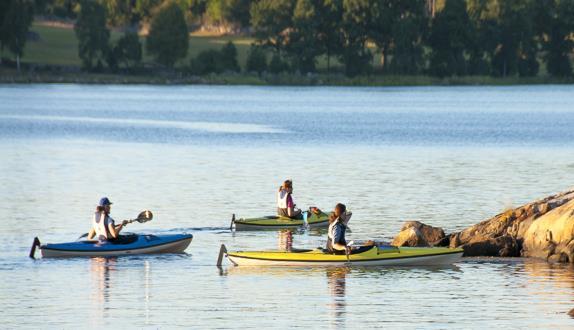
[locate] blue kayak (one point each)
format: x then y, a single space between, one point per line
126 245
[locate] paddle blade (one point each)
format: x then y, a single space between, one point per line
145 216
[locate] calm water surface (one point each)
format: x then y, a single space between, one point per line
194 155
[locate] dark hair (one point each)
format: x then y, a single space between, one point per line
286 184
341 207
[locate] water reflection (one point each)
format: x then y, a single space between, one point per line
285 240
101 270
336 280
106 284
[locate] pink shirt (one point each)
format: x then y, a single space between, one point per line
290 202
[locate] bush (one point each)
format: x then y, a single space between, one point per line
168 36
129 50
277 65
228 58
207 61
216 61
256 60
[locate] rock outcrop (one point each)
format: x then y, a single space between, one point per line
542 229
410 236
430 234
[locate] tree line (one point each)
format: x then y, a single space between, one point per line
403 37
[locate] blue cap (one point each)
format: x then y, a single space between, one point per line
105 201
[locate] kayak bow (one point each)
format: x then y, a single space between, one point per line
127 245
375 256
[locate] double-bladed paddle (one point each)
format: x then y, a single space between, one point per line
144 216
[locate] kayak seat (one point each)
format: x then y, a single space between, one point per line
360 249
125 239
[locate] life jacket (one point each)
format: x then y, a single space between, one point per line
282 199
331 234
100 224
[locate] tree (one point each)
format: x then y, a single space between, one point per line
118 12
271 20
354 53
556 26
516 49
408 34
92 34
168 39
232 12
129 50
303 45
144 8
449 40
277 65
256 60
207 61
329 28
228 58
15 25
384 14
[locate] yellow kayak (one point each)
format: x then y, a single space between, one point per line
374 256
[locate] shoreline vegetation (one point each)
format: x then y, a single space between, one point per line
11 76
288 42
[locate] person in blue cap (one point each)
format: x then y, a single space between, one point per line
103 226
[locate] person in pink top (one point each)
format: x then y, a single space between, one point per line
285 204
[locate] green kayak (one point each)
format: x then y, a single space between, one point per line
276 222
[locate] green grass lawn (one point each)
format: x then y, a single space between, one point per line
59 46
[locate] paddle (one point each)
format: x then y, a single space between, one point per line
144 216
347 251
305 221
232 222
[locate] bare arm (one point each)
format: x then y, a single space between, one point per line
92 233
115 230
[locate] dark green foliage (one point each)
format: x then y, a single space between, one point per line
277 65
228 58
556 26
449 40
92 33
128 50
514 35
303 45
144 8
216 61
230 12
119 12
207 61
256 60
408 33
270 20
168 39
354 54
16 18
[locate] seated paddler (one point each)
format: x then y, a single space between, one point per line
103 226
285 205
338 221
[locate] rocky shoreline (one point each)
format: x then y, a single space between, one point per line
540 229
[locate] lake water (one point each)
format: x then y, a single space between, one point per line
449 156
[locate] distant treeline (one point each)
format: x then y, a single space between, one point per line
406 37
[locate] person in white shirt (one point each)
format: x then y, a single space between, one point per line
285 205
103 226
